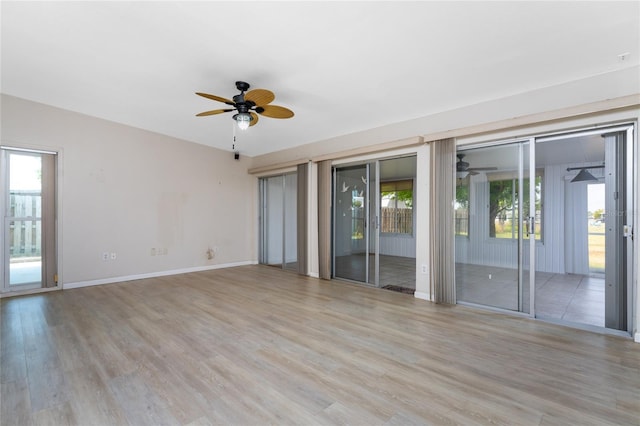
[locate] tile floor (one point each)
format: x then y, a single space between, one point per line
566 297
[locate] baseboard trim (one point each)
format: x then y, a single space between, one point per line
421 295
80 284
314 275
636 337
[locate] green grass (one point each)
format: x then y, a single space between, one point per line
503 230
596 252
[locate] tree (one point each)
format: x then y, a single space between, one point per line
462 195
406 196
597 215
503 196
500 201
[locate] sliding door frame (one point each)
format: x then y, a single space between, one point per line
630 225
523 145
626 224
263 255
371 220
49 241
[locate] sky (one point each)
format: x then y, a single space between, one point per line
24 172
595 196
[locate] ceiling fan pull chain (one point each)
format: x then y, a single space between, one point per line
233 146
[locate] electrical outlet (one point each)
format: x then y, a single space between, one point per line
424 269
105 256
153 252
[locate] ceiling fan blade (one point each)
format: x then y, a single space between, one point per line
260 97
480 169
275 111
215 98
254 119
214 112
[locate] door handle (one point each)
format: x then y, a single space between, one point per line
530 226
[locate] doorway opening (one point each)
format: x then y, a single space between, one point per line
596 212
29 259
278 221
374 211
543 227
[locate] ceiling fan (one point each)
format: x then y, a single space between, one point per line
463 169
248 105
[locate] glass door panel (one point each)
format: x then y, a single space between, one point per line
583 268
273 229
290 221
23 220
278 221
351 237
491 250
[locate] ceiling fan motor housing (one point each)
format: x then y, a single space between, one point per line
242 86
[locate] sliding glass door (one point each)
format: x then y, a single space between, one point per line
355 223
278 221
545 227
584 268
29 258
495 244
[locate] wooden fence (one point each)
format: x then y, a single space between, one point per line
395 220
392 220
462 222
25 230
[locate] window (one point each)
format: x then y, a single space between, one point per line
396 207
503 206
461 206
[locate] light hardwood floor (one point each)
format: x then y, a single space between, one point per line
256 345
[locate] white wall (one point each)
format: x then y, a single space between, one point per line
398 245
126 190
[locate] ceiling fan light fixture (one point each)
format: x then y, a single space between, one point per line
584 176
462 174
243 120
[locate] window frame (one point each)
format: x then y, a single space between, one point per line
396 186
539 213
466 179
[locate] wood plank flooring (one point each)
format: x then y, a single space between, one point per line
256 345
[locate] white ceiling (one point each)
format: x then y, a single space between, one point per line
341 67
